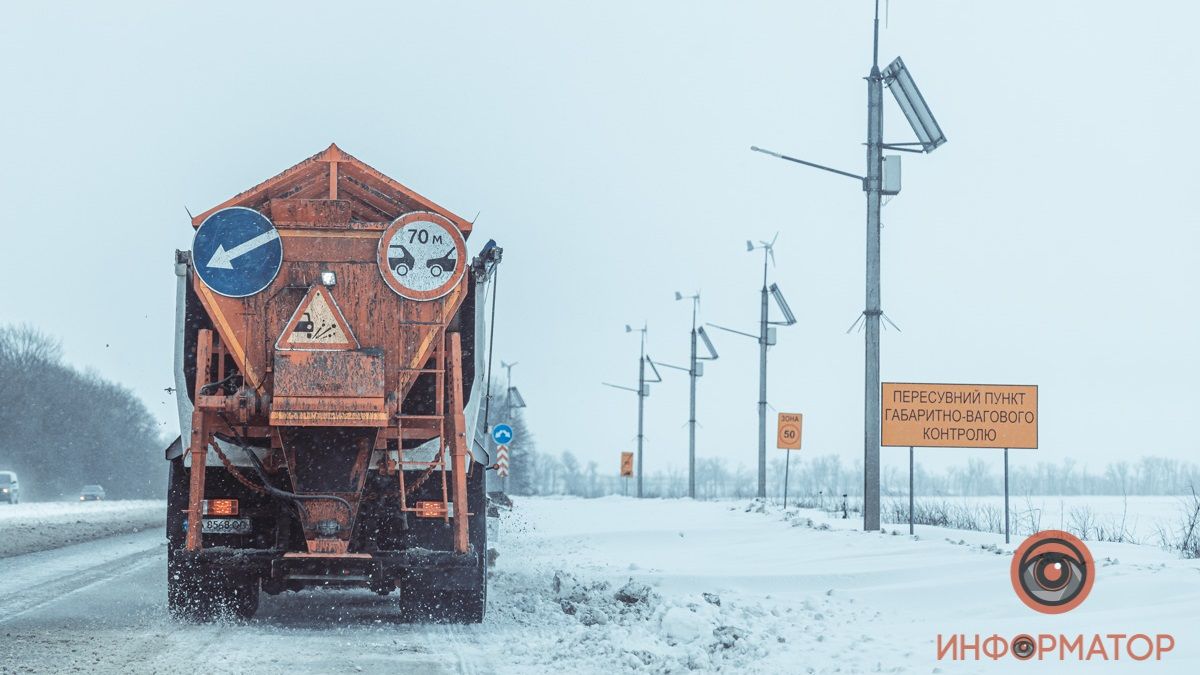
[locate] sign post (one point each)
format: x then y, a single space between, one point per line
788 430
626 471
1006 539
999 416
502 462
502 435
910 489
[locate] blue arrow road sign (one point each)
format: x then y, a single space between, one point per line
502 434
237 252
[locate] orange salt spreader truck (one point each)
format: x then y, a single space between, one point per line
329 373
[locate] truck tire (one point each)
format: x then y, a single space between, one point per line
465 605
181 586
198 594
238 596
195 592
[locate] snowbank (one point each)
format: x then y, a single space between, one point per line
620 585
37 526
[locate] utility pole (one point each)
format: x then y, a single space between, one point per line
762 384
641 394
694 370
765 338
871 315
876 184
642 391
508 405
692 375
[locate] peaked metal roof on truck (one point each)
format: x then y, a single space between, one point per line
334 174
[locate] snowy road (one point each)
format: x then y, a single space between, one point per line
99 608
605 586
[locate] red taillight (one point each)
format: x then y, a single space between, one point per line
432 509
219 507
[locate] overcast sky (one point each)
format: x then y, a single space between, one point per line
1051 241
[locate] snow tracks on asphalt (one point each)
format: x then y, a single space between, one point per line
38 526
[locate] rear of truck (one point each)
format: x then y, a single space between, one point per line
328 387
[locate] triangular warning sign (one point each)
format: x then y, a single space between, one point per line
317 324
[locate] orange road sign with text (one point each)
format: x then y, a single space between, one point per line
626 464
959 415
788 431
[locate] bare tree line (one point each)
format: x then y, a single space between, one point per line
535 473
61 428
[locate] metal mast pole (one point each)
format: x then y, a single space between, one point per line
872 186
641 393
692 410
762 387
508 413
508 409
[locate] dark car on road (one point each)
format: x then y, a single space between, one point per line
10 489
91 493
443 264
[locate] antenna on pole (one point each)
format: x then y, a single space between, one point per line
875 53
765 338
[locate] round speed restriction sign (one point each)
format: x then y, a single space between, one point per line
422 256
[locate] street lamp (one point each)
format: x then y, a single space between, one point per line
642 391
694 370
882 178
766 338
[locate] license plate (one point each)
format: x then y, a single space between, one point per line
226 526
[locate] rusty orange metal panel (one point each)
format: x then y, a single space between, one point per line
354 556
325 417
329 373
327 404
199 444
329 388
334 212
352 174
458 443
328 547
330 211
405 330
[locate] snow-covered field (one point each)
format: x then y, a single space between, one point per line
1139 518
36 526
799 592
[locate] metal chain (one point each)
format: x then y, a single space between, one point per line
410 489
234 471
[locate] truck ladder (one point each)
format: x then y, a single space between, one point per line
447 424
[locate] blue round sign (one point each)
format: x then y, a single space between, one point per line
502 434
237 252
